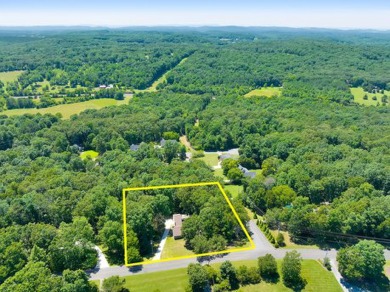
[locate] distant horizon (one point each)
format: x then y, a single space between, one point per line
330 14
173 26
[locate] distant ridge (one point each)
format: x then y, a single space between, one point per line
205 28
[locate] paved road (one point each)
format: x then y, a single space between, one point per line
262 247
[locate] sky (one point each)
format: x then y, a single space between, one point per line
344 14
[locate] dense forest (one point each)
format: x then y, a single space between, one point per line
324 160
75 64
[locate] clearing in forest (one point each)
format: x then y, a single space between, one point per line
67 110
90 153
10 76
175 250
162 79
366 98
265 92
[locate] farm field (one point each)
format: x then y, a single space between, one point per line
265 91
358 94
318 279
10 76
67 110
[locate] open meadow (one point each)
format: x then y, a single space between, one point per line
359 93
265 92
10 76
67 110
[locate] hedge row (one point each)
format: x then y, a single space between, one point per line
264 227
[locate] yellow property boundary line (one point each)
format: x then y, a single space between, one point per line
190 256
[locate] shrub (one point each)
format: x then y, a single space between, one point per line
327 264
291 270
280 239
268 268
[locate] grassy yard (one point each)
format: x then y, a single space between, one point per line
387 269
67 110
174 248
211 159
219 173
233 189
90 153
318 279
290 244
359 93
265 91
10 76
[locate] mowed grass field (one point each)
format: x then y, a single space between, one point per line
317 277
211 159
265 91
292 245
90 153
358 94
10 76
67 110
234 189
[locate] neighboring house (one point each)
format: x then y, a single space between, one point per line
246 172
224 156
20 97
178 222
250 174
134 147
102 86
163 142
77 147
110 86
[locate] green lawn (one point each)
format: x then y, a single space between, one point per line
69 109
290 244
90 153
258 171
174 248
359 92
318 279
10 76
265 91
233 189
219 173
211 159
387 269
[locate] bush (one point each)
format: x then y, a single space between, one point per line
363 261
247 276
291 270
114 284
280 239
198 154
327 264
228 272
267 267
222 287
